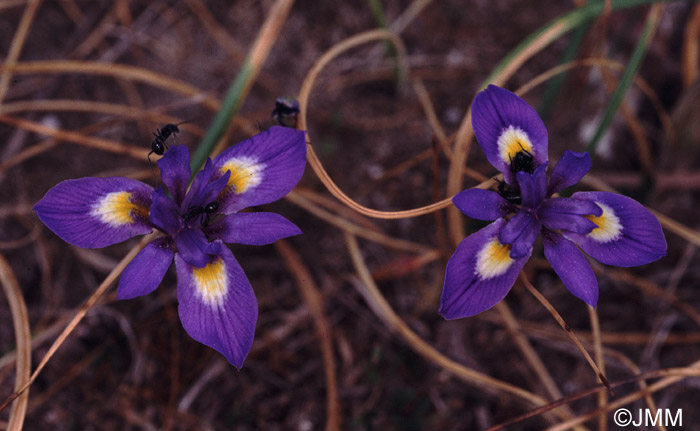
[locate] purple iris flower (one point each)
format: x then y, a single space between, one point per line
216 302
613 229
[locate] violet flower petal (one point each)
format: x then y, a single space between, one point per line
569 214
263 168
175 171
521 232
504 124
571 266
217 305
96 212
194 248
200 182
165 213
569 170
479 274
143 274
258 228
533 186
482 204
627 233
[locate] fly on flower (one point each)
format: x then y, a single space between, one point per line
613 229
216 302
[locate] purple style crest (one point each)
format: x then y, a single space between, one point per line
217 304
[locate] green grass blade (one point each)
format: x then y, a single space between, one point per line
626 79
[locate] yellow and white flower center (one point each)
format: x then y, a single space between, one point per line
608 225
493 260
246 173
211 283
512 141
116 209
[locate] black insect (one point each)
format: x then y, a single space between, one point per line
522 162
510 193
159 144
286 111
204 211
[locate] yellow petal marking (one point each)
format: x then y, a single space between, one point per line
116 209
493 260
609 226
512 141
211 283
246 173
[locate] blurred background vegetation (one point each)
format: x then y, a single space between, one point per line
348 335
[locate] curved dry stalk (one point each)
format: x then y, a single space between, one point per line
379 305
314 301
313 159
20 321
82 311
567 329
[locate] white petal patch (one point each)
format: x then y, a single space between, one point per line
246 173
493 259
211 283
116 209
609 226
511 141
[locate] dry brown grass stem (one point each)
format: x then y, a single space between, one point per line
606 63
119 71
548 306
20 322
314 301
670 373
379 305
531 356
675 375
691 50
429 110
77 138
16 45
80 314
355 229
600 360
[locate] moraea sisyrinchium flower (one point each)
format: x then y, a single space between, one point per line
613 229
216 302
